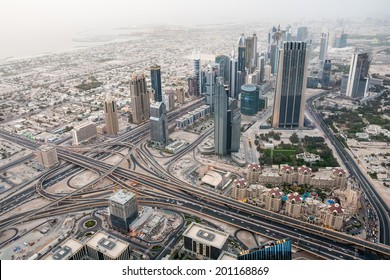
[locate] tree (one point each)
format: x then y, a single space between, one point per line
294 138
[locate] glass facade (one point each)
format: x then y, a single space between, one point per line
155 76
293 84
249 100
325 81
275 250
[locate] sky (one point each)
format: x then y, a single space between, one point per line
24 21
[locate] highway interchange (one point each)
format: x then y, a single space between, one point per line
159 188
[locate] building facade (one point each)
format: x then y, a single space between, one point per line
47 156
358 78
155 77
326 71
158 124
204 242
140 101
110 115
249 99
123 210
289 104
83 132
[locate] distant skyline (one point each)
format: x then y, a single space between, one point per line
49 22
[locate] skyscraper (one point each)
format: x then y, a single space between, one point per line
155 76
289 103
123 210
261 65
302 33
358 75
241 53
250 53
197 72
140 102
158 124
227 121
233 76
210 75
325 81
223 62
110 115
220 119
324 46
340 40
192 87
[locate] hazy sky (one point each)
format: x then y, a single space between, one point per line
47 14
23 21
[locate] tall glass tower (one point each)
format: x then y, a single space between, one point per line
289 103
325 81
155 76
241 53
220 118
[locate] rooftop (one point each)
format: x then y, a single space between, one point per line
65 250
206 235
107 244
122 197
212 178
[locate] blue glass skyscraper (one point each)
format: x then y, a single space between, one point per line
155 76
241 53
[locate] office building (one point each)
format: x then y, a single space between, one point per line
249 99
312 82
261 67
358 78
241 53
289 104
233 93
158 124
110 115
204 242
155 77
210 78
47 156
192 87
123 210
180 95
324 46
70 249
344 84
267 72
325 80
83 132
197 72
272 250
224 63
227 121
302 33
340 40
140 101
102 246
250 53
